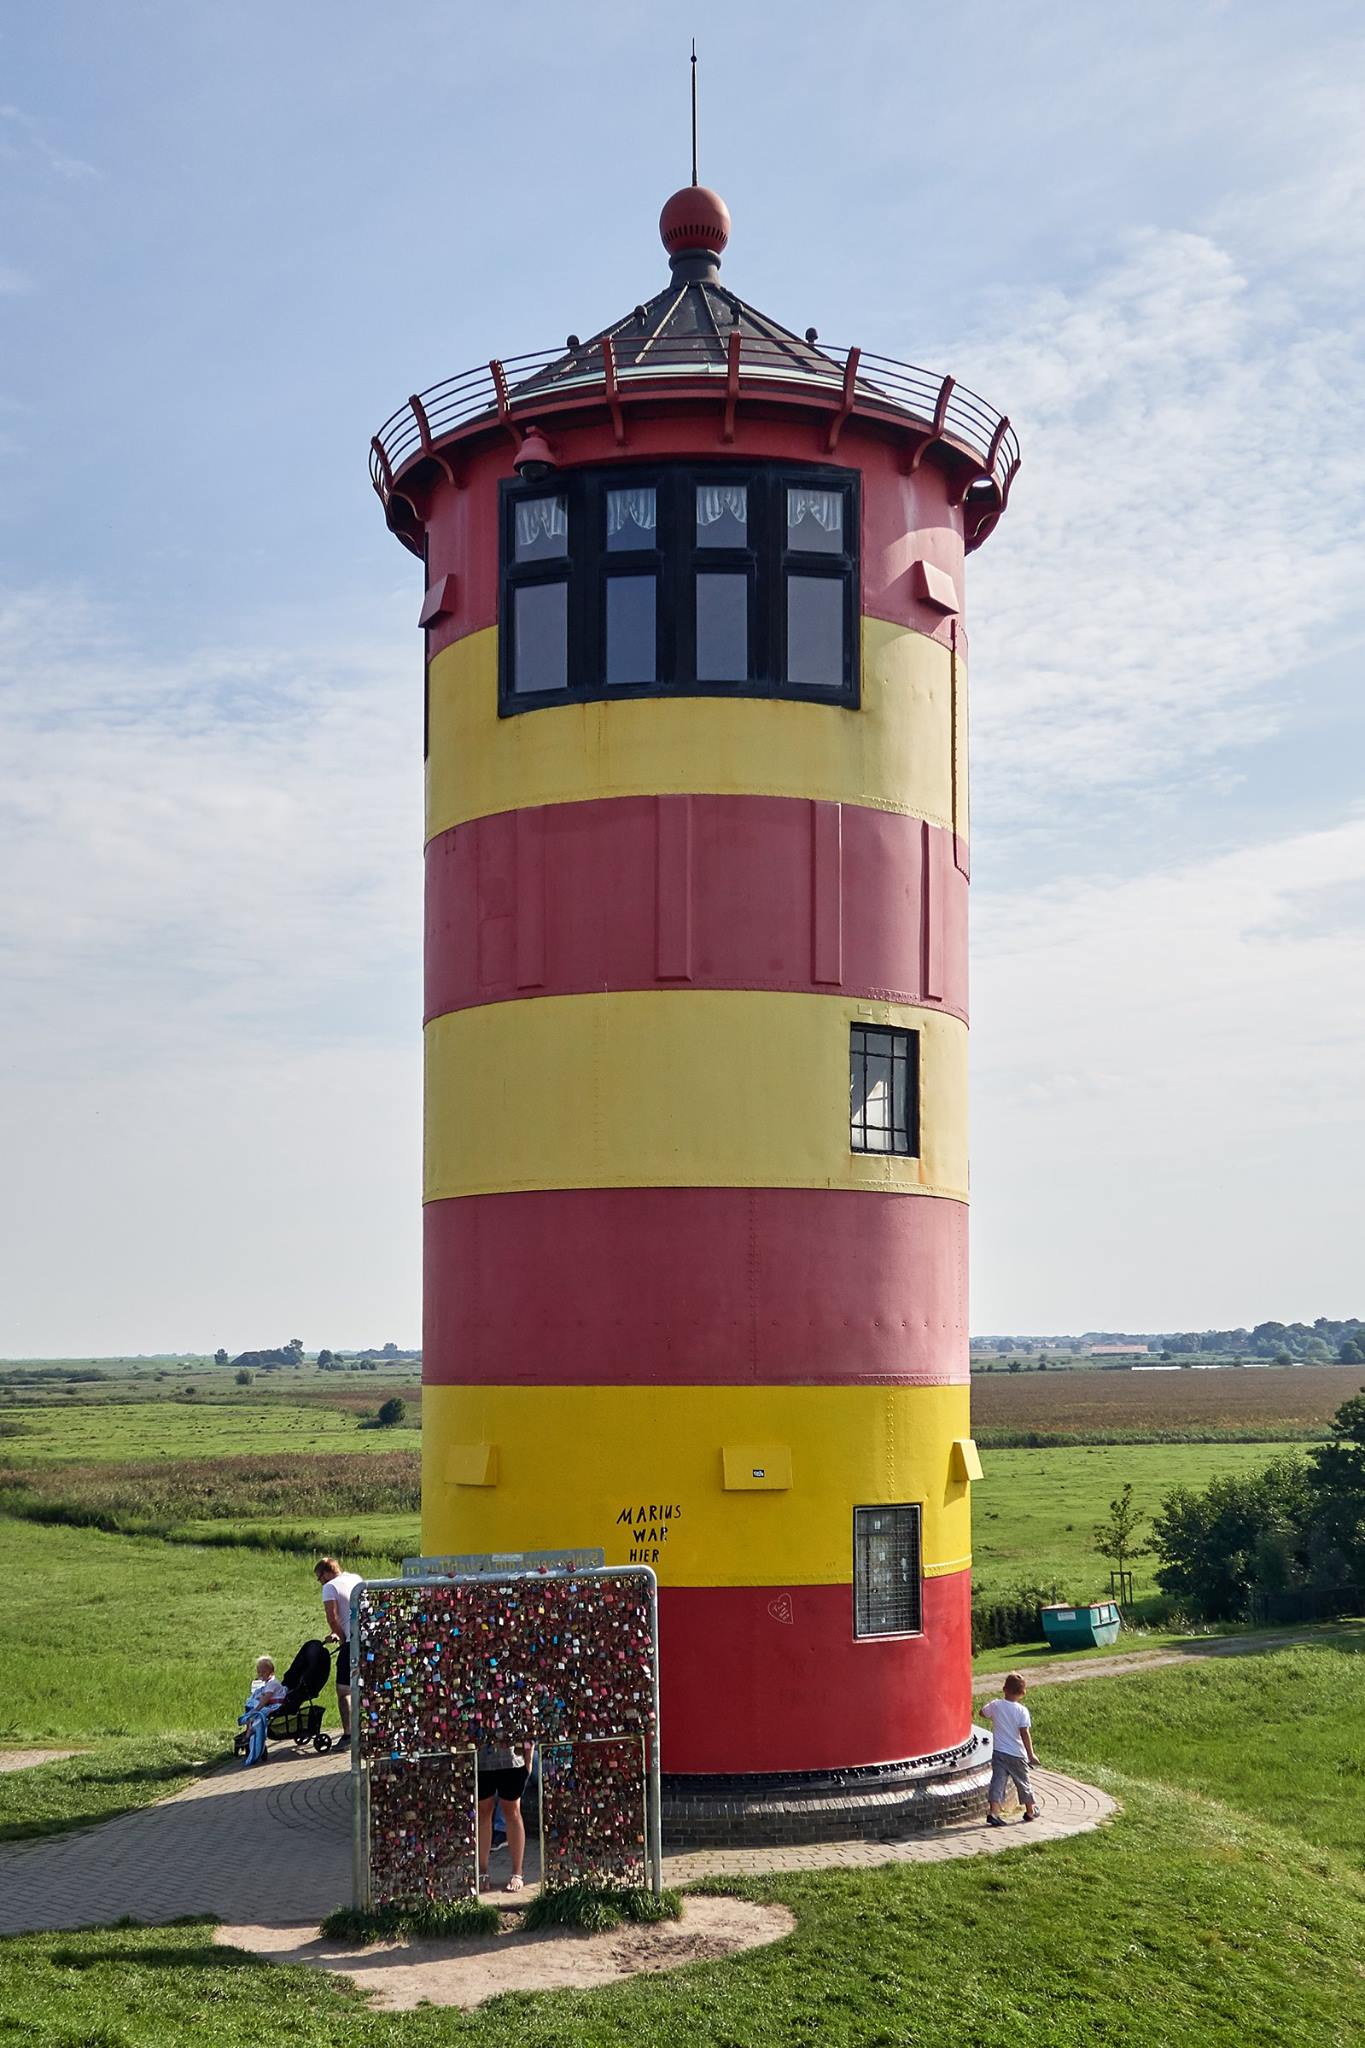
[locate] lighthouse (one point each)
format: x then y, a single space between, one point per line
695 1176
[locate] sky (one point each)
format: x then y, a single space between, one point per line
233 239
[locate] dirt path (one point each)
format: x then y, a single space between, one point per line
1066 1673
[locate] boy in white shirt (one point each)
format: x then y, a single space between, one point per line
1011 1723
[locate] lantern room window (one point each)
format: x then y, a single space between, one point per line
680 581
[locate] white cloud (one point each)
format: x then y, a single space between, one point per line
210 942
1184 531
1168 1110
223 843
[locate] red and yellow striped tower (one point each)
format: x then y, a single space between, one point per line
696 1034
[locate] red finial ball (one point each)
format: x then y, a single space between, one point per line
695 218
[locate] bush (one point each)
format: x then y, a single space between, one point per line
449 1920
1014 1616
392 1412
1214 1543
245 1378
596 1909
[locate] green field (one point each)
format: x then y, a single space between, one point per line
1034 1514
186 1429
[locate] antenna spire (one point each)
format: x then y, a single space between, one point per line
694 110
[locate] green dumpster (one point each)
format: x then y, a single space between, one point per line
1081 1628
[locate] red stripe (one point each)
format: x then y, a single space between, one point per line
695 1286
906 519
771 1679
714 891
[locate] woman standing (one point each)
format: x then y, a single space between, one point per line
502 1780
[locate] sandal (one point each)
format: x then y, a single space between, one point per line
515 1883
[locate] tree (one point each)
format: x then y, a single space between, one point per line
220 1357
244 1377
1337 1483
1117 1539
1209 1541
391 1412
324 1360
295 1345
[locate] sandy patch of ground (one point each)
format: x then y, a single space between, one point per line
25 1759
397 1975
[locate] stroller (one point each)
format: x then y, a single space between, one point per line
298 1718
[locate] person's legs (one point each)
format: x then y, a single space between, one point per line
1023 1785
344 1688
995 1798
516 1840
485 1837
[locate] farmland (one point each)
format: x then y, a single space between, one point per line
1254 1404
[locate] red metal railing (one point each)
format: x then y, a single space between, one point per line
515 387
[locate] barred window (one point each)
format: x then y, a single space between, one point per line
883 1090
886 1571
685 580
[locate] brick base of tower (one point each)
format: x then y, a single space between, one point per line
879 1803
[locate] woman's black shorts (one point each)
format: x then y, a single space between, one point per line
506 1785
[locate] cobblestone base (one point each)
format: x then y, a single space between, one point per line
878 1804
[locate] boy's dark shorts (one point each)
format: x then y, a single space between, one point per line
343 1663
506 1785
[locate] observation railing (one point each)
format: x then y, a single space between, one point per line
514 387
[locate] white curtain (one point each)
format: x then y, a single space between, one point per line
630 508
826 508
719 501
537 516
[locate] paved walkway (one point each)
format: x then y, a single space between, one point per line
272 1846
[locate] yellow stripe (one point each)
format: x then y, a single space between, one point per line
666 1088
573 1461
894 754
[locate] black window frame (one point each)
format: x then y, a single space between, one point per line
676 561
910 1039
867 1607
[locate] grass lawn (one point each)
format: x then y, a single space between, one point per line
1033 1514
1183 1921
123 1635
189 1429
1279 1736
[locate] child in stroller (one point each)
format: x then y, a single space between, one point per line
297 1717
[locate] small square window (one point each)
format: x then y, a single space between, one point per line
722 627
886 1571
632 633
815 521
632 519
542 529
883 1090
722 515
